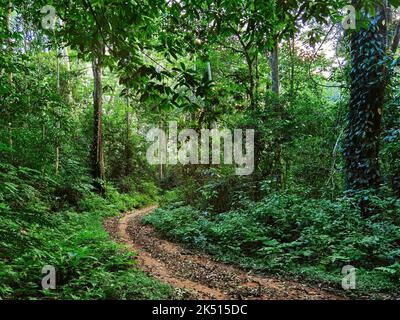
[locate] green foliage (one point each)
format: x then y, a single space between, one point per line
125 201
290 234
88 264
155 57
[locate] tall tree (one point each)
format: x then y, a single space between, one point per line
368 80
278 109
91 26
97 152
9 40
274 65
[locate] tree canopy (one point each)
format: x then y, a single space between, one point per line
303 94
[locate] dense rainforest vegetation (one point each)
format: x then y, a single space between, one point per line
83 81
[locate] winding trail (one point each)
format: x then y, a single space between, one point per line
196 275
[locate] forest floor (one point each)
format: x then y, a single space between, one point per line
196 275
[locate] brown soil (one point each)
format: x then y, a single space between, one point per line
198 276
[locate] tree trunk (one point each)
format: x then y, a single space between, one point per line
128 143
252 84
57 164
274 65
98 172
9 40
368 82
292 67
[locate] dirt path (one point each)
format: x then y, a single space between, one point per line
197 276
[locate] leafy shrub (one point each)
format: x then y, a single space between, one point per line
287 233
88 264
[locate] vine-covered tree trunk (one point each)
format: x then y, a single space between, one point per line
368 83
97 155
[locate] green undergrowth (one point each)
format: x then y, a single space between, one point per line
298 238
89 265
